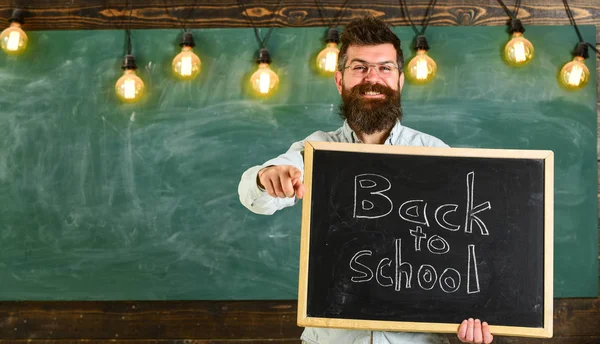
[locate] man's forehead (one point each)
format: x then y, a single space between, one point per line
372 53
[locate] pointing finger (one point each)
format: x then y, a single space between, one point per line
286 186
299 186
295 173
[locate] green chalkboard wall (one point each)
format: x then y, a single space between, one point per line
104 201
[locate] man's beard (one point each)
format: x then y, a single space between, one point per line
369 116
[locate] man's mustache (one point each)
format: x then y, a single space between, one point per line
364 88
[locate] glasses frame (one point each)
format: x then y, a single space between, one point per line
373 65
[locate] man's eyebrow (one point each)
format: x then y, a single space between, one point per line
363 61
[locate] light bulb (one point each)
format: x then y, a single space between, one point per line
13 39
129 87
421 69
186 64
518 51
327 58
264 80
575 74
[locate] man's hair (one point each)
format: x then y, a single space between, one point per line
367 31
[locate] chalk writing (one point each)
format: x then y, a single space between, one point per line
371 202
427 277
363 183
472 211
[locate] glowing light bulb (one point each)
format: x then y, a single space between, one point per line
328 58
575 74
129 87
421 69
13 40
264 80
186 65
518 51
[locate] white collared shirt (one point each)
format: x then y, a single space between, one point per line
259 202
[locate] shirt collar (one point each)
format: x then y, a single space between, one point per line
351 136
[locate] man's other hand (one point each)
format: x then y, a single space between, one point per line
281 181
473 331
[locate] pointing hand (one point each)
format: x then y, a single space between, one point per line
281 181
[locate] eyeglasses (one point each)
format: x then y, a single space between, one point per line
360 69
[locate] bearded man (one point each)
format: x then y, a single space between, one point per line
369 80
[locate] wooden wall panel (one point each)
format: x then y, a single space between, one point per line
107 14
207 321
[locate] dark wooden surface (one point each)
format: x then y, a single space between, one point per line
259 320
110 14
576 321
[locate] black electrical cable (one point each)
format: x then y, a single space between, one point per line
112 15
512 15
262 42
426 19
128 31
129 62
183 22
25 4
572 20
339 16
514 24
18 13
517 7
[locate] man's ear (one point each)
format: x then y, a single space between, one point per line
401 82
338 81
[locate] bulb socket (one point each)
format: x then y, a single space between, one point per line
188 40
515 25
582 50
17 16
333 36
263 56
421 43
129 62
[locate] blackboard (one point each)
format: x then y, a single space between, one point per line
419 238
105 201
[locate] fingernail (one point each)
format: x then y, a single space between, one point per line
470 319
476 320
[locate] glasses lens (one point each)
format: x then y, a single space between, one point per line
361 69
385 69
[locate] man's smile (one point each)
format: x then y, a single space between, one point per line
373 95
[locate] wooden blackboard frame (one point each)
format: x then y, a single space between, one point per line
548 156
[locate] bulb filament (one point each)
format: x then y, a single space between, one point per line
13 41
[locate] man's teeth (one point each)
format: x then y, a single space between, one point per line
371 93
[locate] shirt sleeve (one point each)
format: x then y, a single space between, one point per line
432 141
258 201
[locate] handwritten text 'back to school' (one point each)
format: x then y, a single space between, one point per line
371 202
